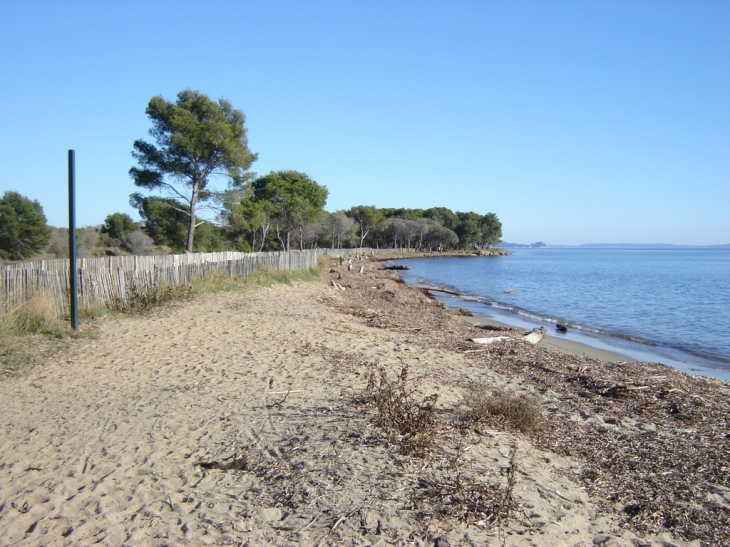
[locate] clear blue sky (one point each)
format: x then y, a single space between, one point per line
573 121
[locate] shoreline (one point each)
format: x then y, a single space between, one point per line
592 345
577 342
570 347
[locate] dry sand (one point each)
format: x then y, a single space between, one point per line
103 444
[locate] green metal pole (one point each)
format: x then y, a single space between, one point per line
72 237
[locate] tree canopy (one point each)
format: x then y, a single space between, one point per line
196 139
23 227
167 225
367 218
292 200
491 229
117 225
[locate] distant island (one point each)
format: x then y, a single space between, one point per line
542 245
648 246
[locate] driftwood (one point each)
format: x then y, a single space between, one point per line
436 289
490 340
533 337
486 326
240 464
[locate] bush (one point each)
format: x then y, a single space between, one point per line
139 301
137 243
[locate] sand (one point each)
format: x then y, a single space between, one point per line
103 444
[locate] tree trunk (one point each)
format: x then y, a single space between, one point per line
191 224
264 230
280 237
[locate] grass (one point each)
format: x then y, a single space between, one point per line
143 301
266 277
29 334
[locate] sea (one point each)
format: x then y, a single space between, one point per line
666 305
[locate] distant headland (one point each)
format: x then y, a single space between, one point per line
537 245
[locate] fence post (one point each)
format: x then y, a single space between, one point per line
72 236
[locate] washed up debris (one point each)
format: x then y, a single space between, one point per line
535 336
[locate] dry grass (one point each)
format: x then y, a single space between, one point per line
497 407
28 334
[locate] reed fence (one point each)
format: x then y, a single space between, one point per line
112 279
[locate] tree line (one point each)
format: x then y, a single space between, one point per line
198 143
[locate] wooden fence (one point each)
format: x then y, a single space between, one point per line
112 279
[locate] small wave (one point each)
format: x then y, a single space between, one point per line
543 318
621 337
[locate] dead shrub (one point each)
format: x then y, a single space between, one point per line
288 477
141 301
453 491
497 407
408 419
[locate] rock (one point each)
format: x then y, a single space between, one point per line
601 540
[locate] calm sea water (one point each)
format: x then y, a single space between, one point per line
660 305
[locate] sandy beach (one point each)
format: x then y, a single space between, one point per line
246 419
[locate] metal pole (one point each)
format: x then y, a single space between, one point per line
72 237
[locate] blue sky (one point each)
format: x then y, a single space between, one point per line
573 121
